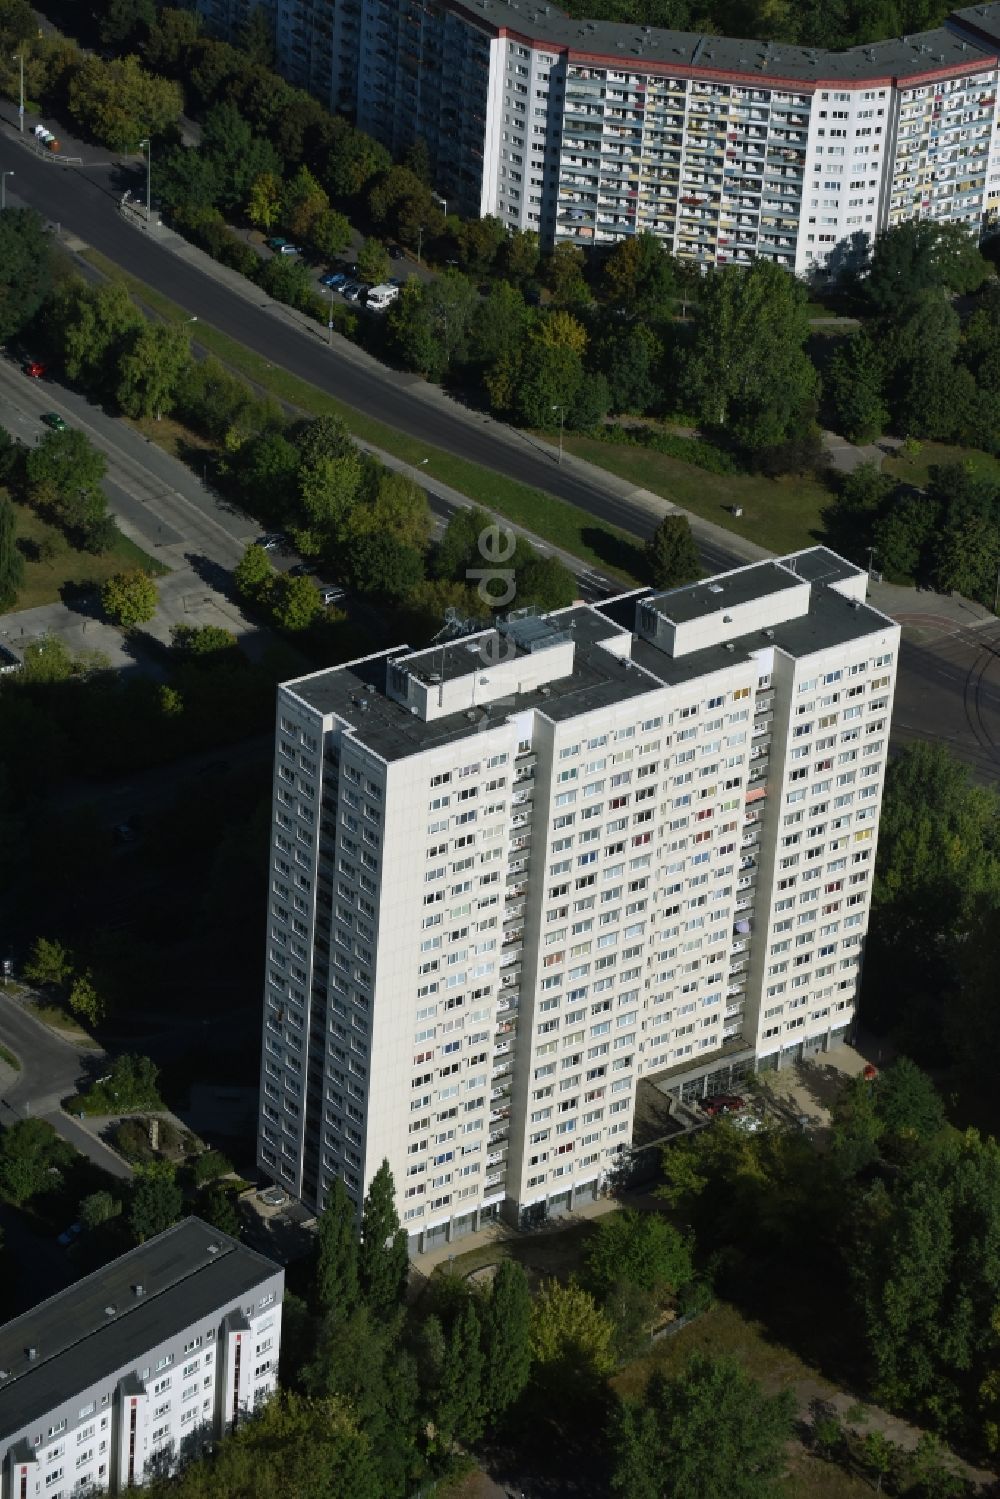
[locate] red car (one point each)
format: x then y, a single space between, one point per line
35 368
723 1103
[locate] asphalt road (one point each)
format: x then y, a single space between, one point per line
948 690
85 200
50 1069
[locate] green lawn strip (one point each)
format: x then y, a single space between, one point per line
916 469
10 1059
44 581
781 514
564 525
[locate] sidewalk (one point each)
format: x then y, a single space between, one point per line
499 1233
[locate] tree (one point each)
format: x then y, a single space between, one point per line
304 200
98 1208
92 324
457 1405
709 1431
64 473
382 565
640 1248
907 1102
519 256
50 964
546 383
920 255
927 393
217 1205
85 1000
855 386
11 560
119 103
253 574
630 360
747 370
129 599
126 22
544 581
373 262
152 368
204 643
671 553
264 202
383 1258
638 276
571 1342
336 1275
330 233
25 268
170 36
506 1332
237 155
498 324
157 1200
295 602
30 1153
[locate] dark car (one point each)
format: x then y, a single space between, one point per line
36 368
396 252
271 540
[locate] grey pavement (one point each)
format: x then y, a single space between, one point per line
51 1068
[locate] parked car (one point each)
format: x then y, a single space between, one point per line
69 1234
396 253
272 1197
289 250
329 594
333 278
36 368
300 570
271 540
277 243
54 420
723 1103
354 291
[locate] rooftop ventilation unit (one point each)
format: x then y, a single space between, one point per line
730 646
727 619
715 587
138 1289
32 1354
110 1309
363 704
769 634
214 1248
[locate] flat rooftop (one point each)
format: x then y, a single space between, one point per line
637 46
186 1274
723 591
391 731
358 692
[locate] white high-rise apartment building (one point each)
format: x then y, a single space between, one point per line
515 874
727 150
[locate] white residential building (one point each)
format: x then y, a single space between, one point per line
135 1368
728 150
514 874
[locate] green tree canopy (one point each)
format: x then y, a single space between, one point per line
383 1258
30 1151
49 964
336 1275
11 560
119 103
156 1202
571 1340
671 553
506 1340
709 1431
25 268
129 599
643 1249
747 372
920 255
152 368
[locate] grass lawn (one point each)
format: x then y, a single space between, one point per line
916 470
781 514
9 1058
556 1253
44 581
563 524
60 1020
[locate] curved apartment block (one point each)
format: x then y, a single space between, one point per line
727 150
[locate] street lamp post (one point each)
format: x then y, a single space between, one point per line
329 320
420 242
562 419
3 189
149 175
19 57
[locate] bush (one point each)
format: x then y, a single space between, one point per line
131 1140
692 450
209 1166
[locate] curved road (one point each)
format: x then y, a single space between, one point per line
84 201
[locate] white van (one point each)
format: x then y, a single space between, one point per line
382 296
